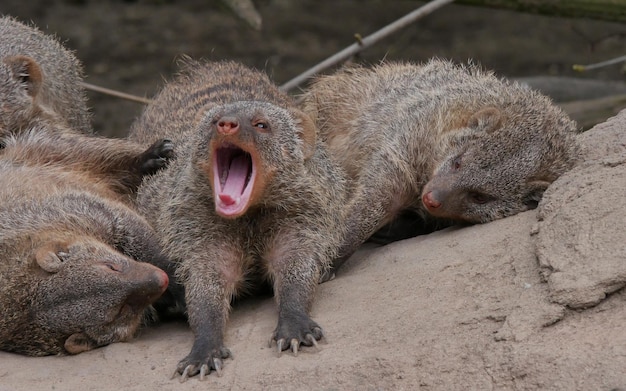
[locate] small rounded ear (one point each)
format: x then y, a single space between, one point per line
26 70
78 343
487 120
307 132
49 257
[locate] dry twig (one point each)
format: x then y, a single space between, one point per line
363 43
583 68
118 94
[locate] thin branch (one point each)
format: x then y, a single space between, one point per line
366 42
117 94
582 68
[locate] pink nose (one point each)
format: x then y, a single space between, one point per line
430 202
227 126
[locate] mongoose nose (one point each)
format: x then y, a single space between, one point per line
227 125
163 280
429 201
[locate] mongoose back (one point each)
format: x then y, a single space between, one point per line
450 140
70 245
39 79
251 193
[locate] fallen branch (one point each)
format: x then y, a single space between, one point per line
583 68
366 42
117 94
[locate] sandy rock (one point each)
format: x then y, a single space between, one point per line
581 243
606 138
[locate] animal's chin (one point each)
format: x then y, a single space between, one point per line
234 177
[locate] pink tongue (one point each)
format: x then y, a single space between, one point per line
235 181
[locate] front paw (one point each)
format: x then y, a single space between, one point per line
156 156
202 363
294 330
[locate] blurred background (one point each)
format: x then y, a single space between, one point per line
132 46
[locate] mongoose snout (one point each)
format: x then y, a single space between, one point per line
150 287
94 268
452 204
227 125
430 202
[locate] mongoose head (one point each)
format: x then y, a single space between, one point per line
87 295
249 143
20 83
500 165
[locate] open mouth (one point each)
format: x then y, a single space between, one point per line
233 180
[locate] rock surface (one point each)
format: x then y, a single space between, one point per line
581 236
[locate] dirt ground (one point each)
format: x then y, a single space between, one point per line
530 302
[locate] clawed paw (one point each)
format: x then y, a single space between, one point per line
157 156
191 366
291 336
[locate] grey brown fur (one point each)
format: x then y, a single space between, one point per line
69 244
287 230
39 79
69 241
450 140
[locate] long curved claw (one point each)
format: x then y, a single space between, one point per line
318 333
204 369
294 346
185 374
217 363
311 340
280 344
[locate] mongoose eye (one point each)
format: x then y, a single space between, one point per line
261 125
112 267
479 198
63 255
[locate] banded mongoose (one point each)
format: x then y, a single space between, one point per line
251 194
39 79
444 140
70 276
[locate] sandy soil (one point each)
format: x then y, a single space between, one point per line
530 302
